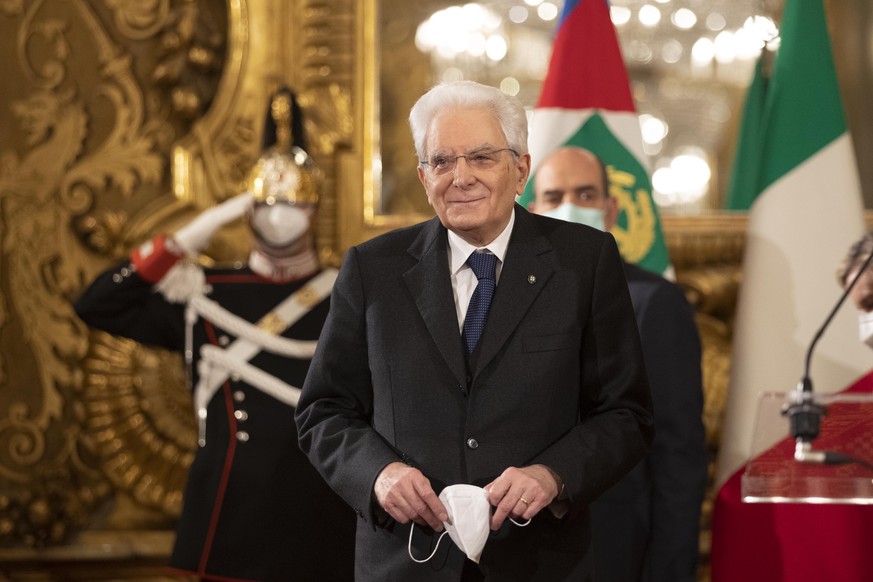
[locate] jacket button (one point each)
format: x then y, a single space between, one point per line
239 396
240 415
472 444
242 436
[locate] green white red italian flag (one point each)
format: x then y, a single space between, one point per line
795 172
586 101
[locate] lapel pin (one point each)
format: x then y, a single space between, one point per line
531 279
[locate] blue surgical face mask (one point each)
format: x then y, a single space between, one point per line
571 213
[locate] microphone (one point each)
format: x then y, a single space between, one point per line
804 414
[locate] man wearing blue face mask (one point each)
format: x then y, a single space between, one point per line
571 185
646 526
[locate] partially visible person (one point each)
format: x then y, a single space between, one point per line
646 527
253 507
488 347
862 293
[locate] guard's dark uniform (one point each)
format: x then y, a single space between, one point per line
254 507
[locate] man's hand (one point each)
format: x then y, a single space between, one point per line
522 492
405 493
195 236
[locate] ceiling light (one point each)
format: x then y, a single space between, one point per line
547 11
725 47
703 51
518 14
620 15
715 22
672 51
649 15
684 18
496 47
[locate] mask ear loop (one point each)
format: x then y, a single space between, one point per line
409 545
442 535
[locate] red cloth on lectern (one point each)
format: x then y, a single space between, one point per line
791 542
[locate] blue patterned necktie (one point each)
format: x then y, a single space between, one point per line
484 265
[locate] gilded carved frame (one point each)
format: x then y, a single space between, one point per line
360 171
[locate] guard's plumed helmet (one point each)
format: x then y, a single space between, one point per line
284 172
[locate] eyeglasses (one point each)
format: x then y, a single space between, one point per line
481 160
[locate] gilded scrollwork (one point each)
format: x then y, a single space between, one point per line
24 443
139 19
707 254
103 231
329 120
83 141
138 420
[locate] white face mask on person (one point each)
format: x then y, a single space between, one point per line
570 212
865 327
469 520
279 224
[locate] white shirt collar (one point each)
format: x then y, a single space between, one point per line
460 250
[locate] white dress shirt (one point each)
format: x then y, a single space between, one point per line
464 280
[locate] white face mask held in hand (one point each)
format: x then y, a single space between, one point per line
469 520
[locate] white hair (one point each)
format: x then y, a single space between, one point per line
469 95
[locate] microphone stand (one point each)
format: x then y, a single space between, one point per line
804 414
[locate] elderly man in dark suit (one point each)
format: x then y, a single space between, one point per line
545 410
646 527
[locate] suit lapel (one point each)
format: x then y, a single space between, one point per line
523 276
430 283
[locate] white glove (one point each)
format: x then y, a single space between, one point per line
195 236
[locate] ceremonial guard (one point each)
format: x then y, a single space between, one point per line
254 508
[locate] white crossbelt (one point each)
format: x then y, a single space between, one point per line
216 364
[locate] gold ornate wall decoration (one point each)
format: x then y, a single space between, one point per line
138 421
139 20
84 152
328 126
129 118
707 252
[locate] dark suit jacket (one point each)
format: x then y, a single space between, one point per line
647 526
559 380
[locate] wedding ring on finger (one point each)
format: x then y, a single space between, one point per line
523 500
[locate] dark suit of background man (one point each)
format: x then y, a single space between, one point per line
646 527
254 509
551 408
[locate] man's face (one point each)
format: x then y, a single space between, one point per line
573 176
862 292
473 199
